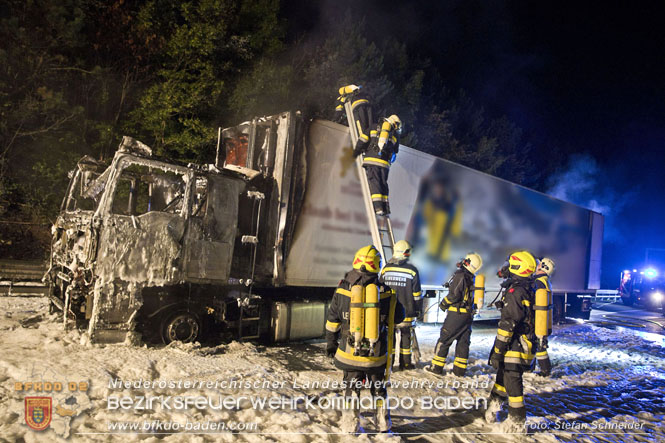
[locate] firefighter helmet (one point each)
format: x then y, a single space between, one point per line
522 263
367 259
402 250
472 262
396 122
348 89
547 266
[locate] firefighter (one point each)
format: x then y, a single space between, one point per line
359 334
362 114
457 325
514 345
541 280
381 153
403 278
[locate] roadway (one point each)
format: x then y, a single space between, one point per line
649 324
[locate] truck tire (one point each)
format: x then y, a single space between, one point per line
182 325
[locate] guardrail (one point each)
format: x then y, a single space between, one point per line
22 278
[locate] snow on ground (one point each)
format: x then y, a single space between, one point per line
601 377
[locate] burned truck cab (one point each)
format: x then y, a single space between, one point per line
154 249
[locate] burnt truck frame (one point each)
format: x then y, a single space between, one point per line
253 245
146 245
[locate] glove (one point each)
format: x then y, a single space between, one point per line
495 360
443 305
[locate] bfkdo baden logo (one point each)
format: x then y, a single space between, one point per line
38 411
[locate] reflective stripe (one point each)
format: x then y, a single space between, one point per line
454 309
385 295
504 332
417 294
516 402
496 350
408 319
357 360
519 358
339 107
333 326
359 102
542 355
379 197
393 268
464 360
526 302
447 300
341 291
373 161
438 363
405 351
498 387
503 338
460 365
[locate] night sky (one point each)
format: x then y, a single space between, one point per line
585 80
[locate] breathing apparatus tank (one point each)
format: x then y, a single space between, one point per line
372 316
479 291
357 317
543 308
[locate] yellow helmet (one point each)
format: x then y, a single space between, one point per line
401 250
522 263
395 121
367 258
348 89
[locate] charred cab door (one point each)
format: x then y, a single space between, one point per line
212 228
141 234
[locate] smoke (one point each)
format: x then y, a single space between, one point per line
586 183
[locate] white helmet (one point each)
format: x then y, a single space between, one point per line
401 250
547 266
473 262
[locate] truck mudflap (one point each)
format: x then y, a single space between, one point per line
298 320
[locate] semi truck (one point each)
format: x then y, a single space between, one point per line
253 244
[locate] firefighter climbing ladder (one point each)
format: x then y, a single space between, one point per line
379 226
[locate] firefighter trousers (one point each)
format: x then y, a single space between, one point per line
509 386
544 363
353 381
377 178
456 327
405 347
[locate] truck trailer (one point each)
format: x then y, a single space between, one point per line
253 245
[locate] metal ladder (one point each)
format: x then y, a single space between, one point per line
379 225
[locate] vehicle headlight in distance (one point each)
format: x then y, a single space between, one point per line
650 273
657 296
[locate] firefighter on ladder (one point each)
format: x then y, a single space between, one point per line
457 326
362 114
403 278
513 350
359 334
381 153
544 272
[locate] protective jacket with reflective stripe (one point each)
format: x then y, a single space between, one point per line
337 325
515 338
460 296
403 278
382 157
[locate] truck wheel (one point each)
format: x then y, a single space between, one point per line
628 301
184 326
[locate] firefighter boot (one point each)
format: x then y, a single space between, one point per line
382 419
493 408
350 423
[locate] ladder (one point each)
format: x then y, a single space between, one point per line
379 225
